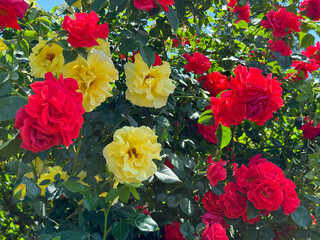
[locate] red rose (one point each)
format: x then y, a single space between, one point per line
256 160
312 7
280 46
290 201
313 52
306 67
309 131
34 137
234 205
265 171
84 31
243 12
208 132
214 217
215 83
168 164
9 11
211 202
165 3
198 63
56 108
157 61
216 172
260 95
172 232
227 109
265 194
145 4
215 232
281 22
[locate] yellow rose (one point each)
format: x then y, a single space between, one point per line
50 176
3 46
129 156
20 192
103 46
46 58
94 77
39 167
148 87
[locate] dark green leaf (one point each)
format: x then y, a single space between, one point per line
33 190
252 212
147 55
284 61
76 187
301 216
69 56
187 206
143 222
128 45
97 5
124 194
307 40
5 88
72 235
10 147
116 3
166 175
64 44
9 107
90 200
112 194
40 209
70 2
173 19
206 118
120 230
186 228
223 134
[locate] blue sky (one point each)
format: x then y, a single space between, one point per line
49 4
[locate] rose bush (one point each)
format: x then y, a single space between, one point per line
159 119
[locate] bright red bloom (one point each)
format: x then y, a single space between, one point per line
216 172
208 132
198 63
243 12
291 200
211 202
215 232
312 8
157 61
165 3
168 164
149 4
9 11
215 83
281 22
234 205
280 46
53 114
256 160
84 31
306 67
214 217
313 52
172 232
309 131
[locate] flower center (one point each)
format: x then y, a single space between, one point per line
148 79
3 12
50 56
133 152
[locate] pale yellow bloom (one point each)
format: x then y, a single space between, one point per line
3 46
103 46
39 167
148 87
129 156
50 176
46 58
20 192
94 77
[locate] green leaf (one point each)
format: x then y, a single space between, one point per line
116 3
223 134
143 222
302 97
147 55
134 192
69 56
284 61
252 212
206 118
187 206
166 175
242 24
128 45
97 5
9 107
317 214
70 2
301 216
173 19
181 7
5 88
40 209
124 194
307 40
64 44
187 229
91 200
266 233
120 230
95 165
112 195
76 187
71 235
33 190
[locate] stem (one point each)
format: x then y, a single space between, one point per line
20 95
77 153
105 231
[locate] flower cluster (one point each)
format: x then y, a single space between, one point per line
198 63
10 10
252 96
262 184
243 12
52 116
148 87
149 4
129 156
